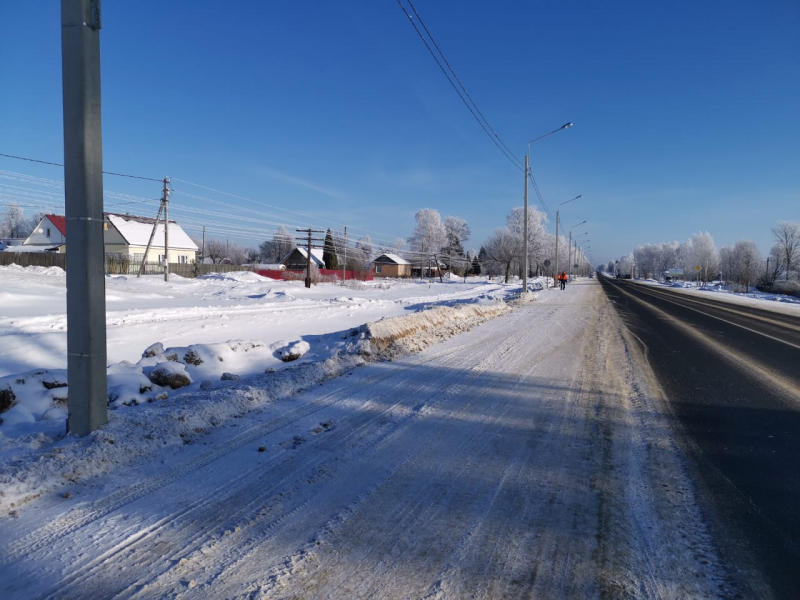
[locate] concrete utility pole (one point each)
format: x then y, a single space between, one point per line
83 191
166 228
525 231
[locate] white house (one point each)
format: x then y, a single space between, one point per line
125 236
49 234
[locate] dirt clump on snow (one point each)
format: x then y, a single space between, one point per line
170 374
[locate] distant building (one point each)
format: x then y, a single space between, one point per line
297 259
124 236
391 265
49 234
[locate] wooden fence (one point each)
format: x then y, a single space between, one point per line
121 265
116 265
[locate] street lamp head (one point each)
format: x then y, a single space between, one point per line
566 125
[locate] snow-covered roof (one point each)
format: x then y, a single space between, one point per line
137 230
394 258
316 255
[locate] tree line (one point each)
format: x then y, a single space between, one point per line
741 265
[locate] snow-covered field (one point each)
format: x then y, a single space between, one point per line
530 456
189 354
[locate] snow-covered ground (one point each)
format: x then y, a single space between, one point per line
776 302
530 456
187 355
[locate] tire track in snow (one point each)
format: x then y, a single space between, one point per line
448 391
57 529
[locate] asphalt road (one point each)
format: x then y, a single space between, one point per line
731 375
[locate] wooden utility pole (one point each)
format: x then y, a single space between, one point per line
155 227
344 264
309 241
83 192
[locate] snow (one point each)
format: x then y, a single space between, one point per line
137 231
527 457
775 302
173 347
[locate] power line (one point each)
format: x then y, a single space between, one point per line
449 66
514 160
45 162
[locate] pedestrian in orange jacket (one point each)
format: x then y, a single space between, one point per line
563 279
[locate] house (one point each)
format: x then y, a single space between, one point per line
125 237
297 259
391 265
50 234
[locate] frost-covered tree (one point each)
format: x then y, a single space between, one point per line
235 254
399 246
705 255
276 249
537 239
747 263
787 236
13 223
452 253
502 250
429 234
216 251
365 245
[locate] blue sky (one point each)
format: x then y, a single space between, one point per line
686 113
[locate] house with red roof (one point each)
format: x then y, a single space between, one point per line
124 236
49 234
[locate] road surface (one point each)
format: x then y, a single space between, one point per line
731 374
530 457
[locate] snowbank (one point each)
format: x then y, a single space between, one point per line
147 416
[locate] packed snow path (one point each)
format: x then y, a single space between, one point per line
529 457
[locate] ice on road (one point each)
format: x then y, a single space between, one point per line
529 457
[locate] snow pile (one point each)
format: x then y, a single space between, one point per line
391 337
148 414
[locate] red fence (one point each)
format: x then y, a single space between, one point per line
360 275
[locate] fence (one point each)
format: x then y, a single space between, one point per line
116 264
327 274
33 259
122 265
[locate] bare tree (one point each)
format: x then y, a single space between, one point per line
216 251
787 235
276 249
235 254
501 251
13 223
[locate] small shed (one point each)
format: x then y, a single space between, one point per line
391 265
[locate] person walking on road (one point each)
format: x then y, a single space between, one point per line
563 279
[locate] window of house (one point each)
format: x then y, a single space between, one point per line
182 259
48 232
377 268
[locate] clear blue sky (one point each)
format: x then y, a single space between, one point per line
686 113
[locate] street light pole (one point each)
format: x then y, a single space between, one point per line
525 214
558 209
569 258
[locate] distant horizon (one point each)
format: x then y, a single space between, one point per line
685 117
